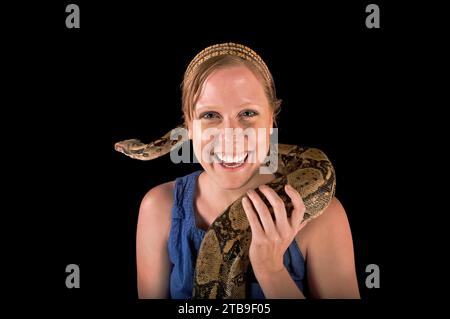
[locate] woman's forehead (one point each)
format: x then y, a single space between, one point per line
232 86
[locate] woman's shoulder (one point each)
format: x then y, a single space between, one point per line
332 224
155 208
159 197
334 216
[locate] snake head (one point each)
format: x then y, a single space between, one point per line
132 147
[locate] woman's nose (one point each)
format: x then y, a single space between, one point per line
231 133
228 130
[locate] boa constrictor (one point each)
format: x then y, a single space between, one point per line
223 260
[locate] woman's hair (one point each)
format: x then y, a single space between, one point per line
217 57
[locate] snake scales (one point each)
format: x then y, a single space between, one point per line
222 261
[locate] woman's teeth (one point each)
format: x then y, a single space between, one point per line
230 160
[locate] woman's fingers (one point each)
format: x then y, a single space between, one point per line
283 224
263 212
279 208
299 207
251 216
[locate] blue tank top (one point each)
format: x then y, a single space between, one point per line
185 238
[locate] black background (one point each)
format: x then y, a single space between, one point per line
118 77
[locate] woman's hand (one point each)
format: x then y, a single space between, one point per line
271 239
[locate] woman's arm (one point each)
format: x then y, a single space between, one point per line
153 265
330 259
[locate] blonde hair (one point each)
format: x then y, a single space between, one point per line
219 56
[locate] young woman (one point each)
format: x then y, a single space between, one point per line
229 86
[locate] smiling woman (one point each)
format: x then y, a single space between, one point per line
228 90
232 98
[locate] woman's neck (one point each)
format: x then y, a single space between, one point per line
224 197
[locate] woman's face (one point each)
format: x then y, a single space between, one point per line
231 98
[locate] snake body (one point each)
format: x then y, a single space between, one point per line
223 260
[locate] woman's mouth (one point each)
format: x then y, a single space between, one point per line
230 161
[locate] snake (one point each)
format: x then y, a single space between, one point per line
223 261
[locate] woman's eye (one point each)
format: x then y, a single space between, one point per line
209 115
249 113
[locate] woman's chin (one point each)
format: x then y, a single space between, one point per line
233 177
231 185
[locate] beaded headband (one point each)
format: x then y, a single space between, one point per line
229 48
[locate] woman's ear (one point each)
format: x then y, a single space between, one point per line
189 128
274 124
